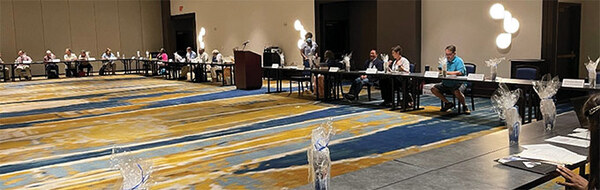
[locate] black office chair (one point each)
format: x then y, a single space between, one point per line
301 79
412 70
471 68
529 72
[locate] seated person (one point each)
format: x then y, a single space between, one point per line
189 57
51 67
108 60
331 62
217 58
203 58
399 65
70 68
455 66
591 111
372 63
6 71
21 66
84 63
162 58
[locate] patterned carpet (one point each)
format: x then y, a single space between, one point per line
60 133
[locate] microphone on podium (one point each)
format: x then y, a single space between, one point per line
245 44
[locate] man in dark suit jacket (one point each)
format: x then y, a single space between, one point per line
358 83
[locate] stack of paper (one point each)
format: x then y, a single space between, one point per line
581 133
551 153
569 141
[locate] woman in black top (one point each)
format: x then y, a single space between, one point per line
591 110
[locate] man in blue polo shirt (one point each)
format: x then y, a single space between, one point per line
455 66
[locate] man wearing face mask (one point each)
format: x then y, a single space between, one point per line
308 49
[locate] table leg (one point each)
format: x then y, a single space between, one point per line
231 76
268 81
223 73
12 70
317 86
404 94
393 94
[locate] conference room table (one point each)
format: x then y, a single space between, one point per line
472 164
175 68
74 63
414 80
278 74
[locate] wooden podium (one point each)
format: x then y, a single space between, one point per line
248 73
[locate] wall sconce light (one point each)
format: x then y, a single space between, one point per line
201 37
298 26
510 24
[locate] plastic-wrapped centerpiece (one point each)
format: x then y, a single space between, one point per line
504 102
319 162
546 89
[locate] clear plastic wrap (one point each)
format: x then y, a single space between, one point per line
503 99
319 162
504 102
386 64
281 57
312 61
546 88
513 123
591 67
493 64
346 60
135 171
442 61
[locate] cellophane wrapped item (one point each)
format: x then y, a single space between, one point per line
504 102
135 171
319 162
493 64
346 60
386 64
281 57
546 89
442 61
591 67
311 61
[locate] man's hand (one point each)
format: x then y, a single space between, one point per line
572 180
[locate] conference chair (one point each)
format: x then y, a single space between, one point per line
531 101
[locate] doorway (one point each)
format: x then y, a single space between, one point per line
184 29
568 39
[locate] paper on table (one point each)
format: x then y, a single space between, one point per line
578 130
551 153
583 135
569 141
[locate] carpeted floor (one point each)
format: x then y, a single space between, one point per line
60 133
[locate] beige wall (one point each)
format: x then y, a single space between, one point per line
467 25
229 23
93 25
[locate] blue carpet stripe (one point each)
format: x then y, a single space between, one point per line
422 133
336 111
